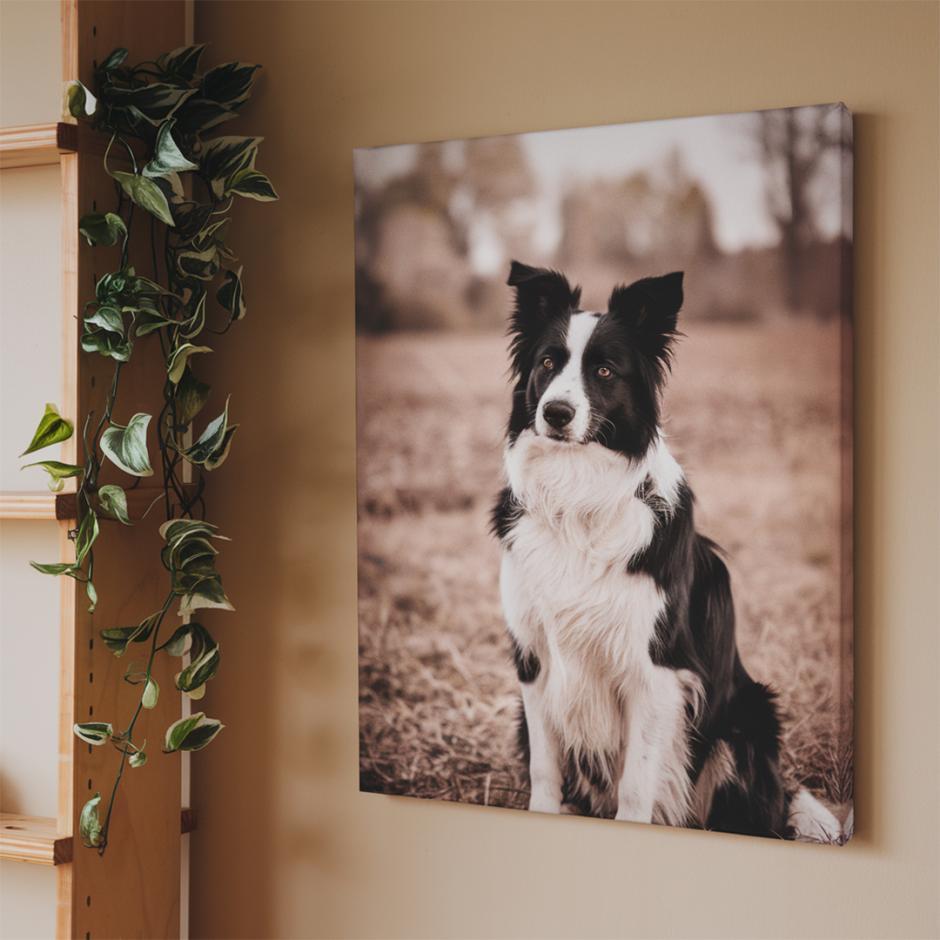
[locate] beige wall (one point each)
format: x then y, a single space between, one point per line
286 844
30 363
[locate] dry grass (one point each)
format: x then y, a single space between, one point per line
753 415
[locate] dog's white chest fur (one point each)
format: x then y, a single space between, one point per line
566 588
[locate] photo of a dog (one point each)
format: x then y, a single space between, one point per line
636 702
577 648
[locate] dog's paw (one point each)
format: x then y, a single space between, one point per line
633 810
540 803
813 822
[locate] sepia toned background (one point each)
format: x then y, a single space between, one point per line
756 209
287 846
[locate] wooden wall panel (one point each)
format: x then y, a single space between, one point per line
133 890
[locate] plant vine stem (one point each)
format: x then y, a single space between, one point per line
90 480
128 732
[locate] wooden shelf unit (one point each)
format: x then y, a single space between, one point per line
134 888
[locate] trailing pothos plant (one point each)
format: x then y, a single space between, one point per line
169 162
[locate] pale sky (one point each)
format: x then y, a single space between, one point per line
717 151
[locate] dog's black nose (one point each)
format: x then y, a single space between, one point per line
558 413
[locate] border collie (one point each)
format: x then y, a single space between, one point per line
636 704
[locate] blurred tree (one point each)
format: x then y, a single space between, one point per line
497 171
650 219
792 144
497 200
411 264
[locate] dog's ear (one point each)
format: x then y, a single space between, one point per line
542 288
650 308
540 295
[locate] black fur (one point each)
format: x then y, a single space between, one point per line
527 663
697 629
505 514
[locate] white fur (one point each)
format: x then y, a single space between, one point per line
568 597
545 755
655 779
568 385
812 822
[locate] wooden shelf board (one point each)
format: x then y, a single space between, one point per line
35 839
29 504
40 504
36 144
139 500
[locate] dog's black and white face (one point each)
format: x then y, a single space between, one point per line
586 377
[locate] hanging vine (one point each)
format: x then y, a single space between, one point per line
158 116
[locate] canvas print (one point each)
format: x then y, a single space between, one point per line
604 472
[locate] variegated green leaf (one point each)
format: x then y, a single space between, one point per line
113 502
94 732
229 84
114 60
151 694
191 396
52 429
167 156
214 443
127 447
178 359
182 63
199 265
58 472
223 157
204 660
152 103
117 639
86 535
195 324
146 194
137 759
252 185
208 594
79 101
89 826
103 228
231 295
191 733
59 567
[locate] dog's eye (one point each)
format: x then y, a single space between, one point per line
603 372
548 363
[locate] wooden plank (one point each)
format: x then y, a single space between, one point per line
39 504
68 641
93 143
140 500
189 822
34 839
134 888
35 144
68 171
37 839
27 505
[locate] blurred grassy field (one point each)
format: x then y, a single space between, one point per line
752 413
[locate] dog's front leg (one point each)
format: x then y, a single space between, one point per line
653 710
544 752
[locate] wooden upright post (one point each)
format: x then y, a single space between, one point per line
134 889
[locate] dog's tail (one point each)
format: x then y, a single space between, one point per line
751 799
